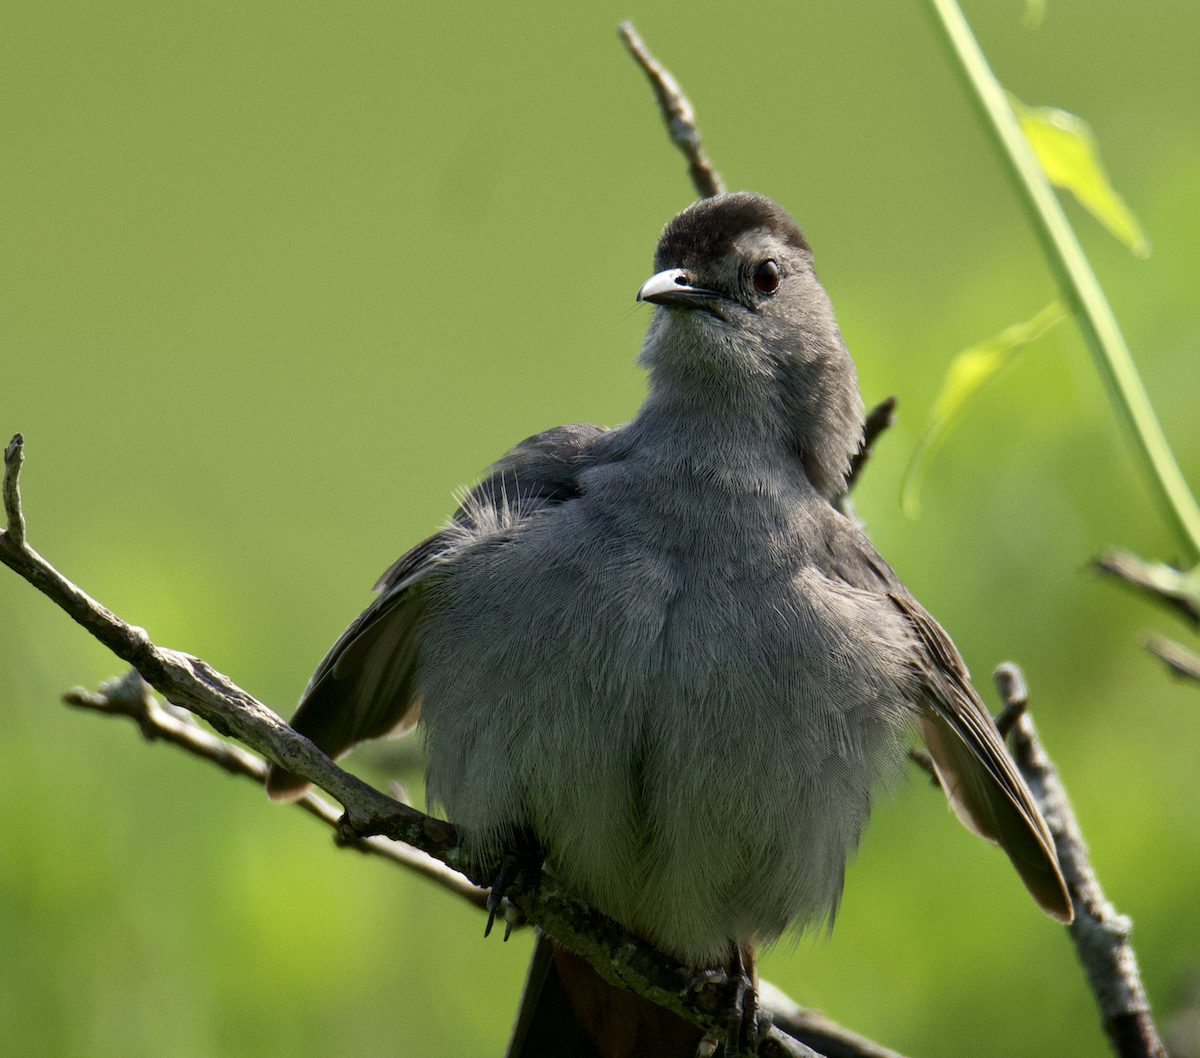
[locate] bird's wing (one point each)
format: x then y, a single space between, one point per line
976 772
365 686
984 787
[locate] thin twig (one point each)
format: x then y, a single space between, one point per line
677 113
1165 583
882 416
1015 702
1101 935
130 696
815 1030
1179 659
14 456
191 683
778 1044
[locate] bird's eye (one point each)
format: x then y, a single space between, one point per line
766 277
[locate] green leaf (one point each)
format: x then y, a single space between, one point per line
1035 14
1067 149
969 372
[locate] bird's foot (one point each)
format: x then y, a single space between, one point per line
522 856
743 1016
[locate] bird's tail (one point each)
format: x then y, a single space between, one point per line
568 1010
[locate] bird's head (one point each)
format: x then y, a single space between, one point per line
743 322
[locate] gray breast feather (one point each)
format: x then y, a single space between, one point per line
656 664
695 745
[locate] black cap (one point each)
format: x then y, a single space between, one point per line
706 230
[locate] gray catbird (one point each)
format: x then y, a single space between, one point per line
662 652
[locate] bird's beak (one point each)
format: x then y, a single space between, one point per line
674 287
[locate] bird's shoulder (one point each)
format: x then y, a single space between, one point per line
541 471
841 551
845 555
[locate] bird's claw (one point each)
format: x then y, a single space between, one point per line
524 855
743 1015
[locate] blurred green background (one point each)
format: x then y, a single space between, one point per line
277 277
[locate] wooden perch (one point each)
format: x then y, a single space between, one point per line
1101 935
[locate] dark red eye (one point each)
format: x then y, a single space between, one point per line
766 277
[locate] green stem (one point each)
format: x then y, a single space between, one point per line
1070 266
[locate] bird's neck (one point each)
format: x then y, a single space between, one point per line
754 400
719 434
739 410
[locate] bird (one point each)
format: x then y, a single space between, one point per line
662 655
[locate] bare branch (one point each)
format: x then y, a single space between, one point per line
815 1030
1014 697
130 696
1165 583
677 113
1179 659
191 683
14 456
778 1044
1101 935
882 416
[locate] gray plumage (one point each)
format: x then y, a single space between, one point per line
660 649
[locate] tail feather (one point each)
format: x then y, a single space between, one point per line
568 1010
545 1025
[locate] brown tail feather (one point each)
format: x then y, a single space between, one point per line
569 1011
621 1024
